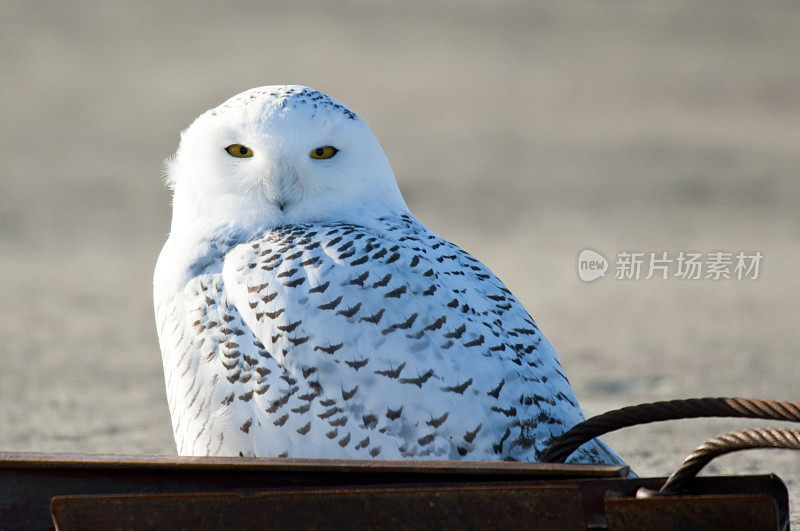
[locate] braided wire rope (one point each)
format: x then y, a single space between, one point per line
564 445
781 438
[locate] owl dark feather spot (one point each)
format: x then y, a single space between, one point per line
470 435
394 414
296 282
289 328
301 409
436 422
495 393
341 421
356 365
426 440
329 349
359 280
457 333
332 304
350 312
382 282
392 373
347 395
460 388
321 288
419 380
395 293
374 318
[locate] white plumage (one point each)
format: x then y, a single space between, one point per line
304 312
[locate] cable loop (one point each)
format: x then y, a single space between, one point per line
780 438
563 446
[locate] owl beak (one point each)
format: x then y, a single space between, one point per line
285 186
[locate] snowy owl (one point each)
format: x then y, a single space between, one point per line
303 311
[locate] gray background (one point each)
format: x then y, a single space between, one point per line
524 132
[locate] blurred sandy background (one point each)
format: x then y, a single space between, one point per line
524 132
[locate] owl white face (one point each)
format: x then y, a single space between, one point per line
277 155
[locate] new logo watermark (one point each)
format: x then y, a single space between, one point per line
683 265
591 265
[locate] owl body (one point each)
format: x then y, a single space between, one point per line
300 317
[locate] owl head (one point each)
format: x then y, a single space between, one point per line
278 155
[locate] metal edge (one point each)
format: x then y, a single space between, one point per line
67 460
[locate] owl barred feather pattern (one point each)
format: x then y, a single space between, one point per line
304 312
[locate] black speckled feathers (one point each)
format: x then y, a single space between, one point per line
338 340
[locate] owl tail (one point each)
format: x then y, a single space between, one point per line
596 452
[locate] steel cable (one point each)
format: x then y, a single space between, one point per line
781 438
563 446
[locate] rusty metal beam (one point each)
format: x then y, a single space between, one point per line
542 507
559 504
748 512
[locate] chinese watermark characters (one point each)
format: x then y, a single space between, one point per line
662 265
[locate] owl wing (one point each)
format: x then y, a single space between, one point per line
388 343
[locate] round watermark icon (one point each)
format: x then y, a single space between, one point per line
591 265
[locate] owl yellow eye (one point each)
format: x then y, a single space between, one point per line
324 152
239 151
